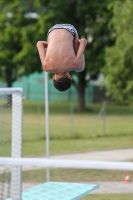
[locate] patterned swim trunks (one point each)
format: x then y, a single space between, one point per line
68 27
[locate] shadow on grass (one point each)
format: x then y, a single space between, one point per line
78 136
67 107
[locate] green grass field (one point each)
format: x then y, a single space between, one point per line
72 131
75 175
108 197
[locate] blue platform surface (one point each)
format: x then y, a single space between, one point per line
58 191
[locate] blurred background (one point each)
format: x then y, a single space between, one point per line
96 113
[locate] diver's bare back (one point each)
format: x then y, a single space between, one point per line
60 51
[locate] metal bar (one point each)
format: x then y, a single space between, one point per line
47 123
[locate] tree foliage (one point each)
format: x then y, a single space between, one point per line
18 37
119 58
20 30
91 21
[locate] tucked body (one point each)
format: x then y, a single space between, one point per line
63 52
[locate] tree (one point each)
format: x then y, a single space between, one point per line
119 58
18 54
21 31
90 19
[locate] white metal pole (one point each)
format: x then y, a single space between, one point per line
97 120
71 119
62 163
47 123
104 118
17 117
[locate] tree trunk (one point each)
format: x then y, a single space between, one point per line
81 98
9 81
8 77
81 91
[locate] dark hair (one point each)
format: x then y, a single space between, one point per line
62 84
